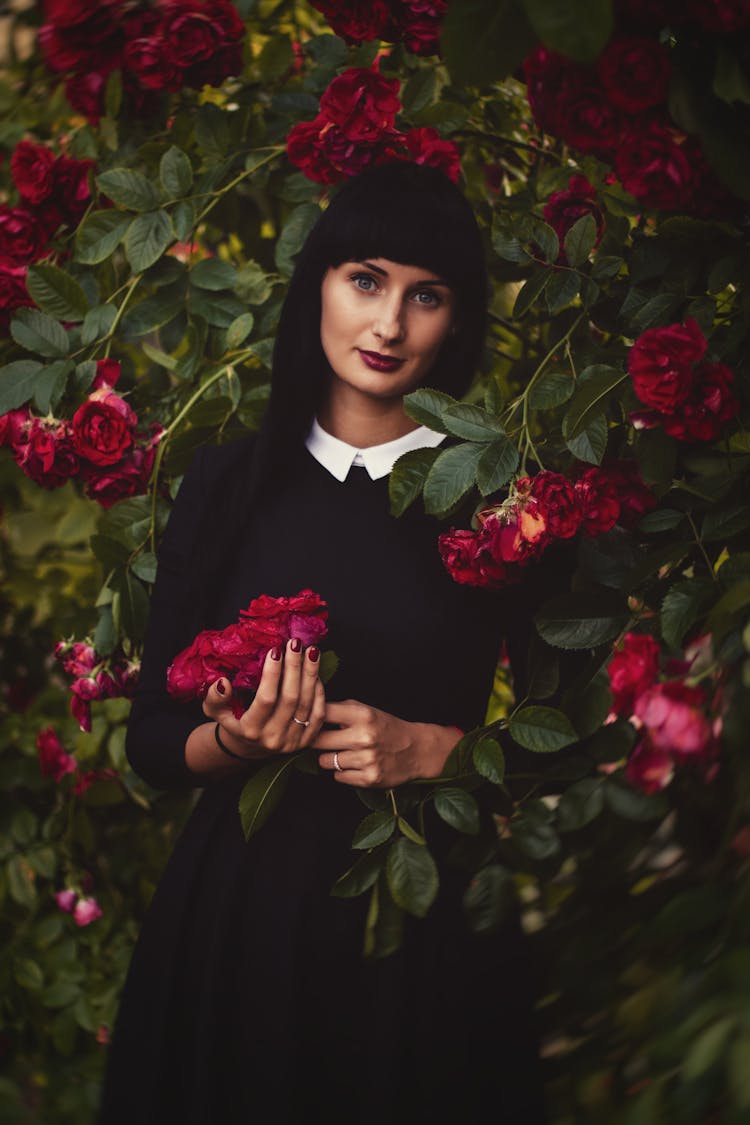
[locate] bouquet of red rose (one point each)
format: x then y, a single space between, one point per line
239 651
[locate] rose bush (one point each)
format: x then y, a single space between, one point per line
162 165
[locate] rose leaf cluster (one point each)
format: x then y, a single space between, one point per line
356 129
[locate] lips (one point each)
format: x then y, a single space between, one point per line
379 362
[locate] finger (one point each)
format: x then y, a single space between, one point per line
309 680
345 713
347 760
278 724
263 705
317 715
217 702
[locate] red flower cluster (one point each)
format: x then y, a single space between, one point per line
355 129
415 23
617 110
563 209
165 46
54 192
100 444
689 397
540 510
56 762
670 714
85 909
239 651
95 678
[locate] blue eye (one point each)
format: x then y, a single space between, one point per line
426 297
364 281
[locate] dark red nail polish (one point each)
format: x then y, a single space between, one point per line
220 688
313 653
276 653
296 644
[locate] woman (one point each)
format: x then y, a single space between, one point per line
248 997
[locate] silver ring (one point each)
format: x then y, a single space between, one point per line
336 765
300 722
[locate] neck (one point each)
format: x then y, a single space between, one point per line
364 422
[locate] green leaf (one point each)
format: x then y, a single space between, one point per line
412 876
681 609
37 332
656 455
472 423
28 975
128 188
490 899
457 808
590 444
262 793
183 220
407 478
214 274
579 29
533 832
253 285
738 1066
596 384
661 519
56 292
276 58
482 41
497 464
581 620
489 760
562 290
360 877
20 881
451 477
580 804
530 292
411 833
144 567
295 231
212 131
147 239
50 385
722 523
17 381
708 1048
374 829
426 406
175 173
542 729
630 804
99 235
97 323
239 330
580 240
134 605
553 389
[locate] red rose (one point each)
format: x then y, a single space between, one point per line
661 361
598 501
587 121
426 146
147 59
719 17
635 497
204 40
54 760
77 658
72 191
635 71
103 428
107 374
419 22
13 291
563 209
356 21
126 477
22 238
517 531
557 500
710 404
468 559
76 35
649 769
14 426
85 779
31 167
652 164
674 716
193 669
306 151
47 455
85 92
361 103
632 670
546 74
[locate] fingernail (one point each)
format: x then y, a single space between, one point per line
276 653
313 653
296 644
220 687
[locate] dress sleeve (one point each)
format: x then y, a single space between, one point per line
159 725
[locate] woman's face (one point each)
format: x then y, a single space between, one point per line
383 324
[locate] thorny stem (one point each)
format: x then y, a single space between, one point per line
275 151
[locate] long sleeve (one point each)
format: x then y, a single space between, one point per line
159 725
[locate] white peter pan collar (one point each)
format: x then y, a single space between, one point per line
338 456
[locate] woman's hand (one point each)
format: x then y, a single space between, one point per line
374 749
288 709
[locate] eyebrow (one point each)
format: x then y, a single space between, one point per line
417 285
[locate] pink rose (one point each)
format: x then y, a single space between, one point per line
632 670
54 760
86 911
66 900
674 715
649 769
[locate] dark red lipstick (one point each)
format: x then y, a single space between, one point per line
380 362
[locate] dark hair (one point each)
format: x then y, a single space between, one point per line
407 213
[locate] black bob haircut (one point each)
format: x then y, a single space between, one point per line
407 213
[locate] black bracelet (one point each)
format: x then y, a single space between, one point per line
225 749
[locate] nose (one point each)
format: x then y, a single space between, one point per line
389 325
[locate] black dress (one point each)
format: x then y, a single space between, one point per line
248 999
